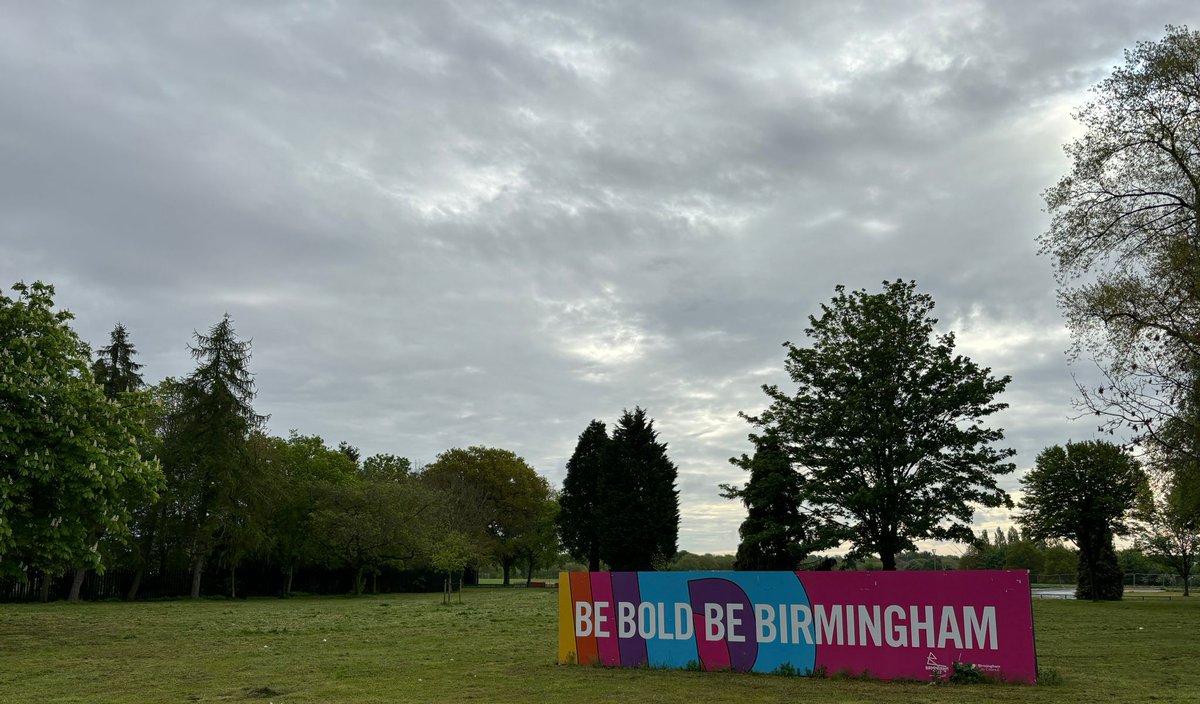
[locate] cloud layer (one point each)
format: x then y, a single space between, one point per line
488 223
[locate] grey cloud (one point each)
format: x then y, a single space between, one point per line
455 223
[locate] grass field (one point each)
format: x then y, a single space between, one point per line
499 645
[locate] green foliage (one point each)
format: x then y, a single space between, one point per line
580 519
1125 238
775 534
1083 493
70 467
386 467
364 525
1170 527
691 562
492 495
887 424
114 368
639 505
205 450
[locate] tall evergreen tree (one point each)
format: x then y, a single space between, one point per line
579 518
775 534
206 451
114 368
639 501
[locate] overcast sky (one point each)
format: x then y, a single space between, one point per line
452 224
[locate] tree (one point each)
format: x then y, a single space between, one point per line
1083 493
70 465
775 534
579 520
114 368
639 504
886 424
1170 529
205 452
539 546
366 525
1125 238
511 493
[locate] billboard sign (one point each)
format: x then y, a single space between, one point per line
887 625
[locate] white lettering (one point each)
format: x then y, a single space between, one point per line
626 619
662 623
801 623
948 629
764 623
896 633
601 619
980 629
583 618
829 625
683 620
868 622
714 628
646 625
919 625
733 621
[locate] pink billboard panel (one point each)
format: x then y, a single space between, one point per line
887 625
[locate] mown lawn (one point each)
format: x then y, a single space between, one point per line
499 645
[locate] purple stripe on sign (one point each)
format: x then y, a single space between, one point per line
625 589
743 648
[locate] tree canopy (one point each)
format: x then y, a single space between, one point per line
1084 492
776 535
639 504
70 466
579 521
887 424
1125 238
114 368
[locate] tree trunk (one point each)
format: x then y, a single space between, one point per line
44 588
287 582
375 582
197 570
233 581
529 571
594 558
506 565
358 581
133 588
77 584
460 579
889 560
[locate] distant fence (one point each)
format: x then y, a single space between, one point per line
1162 580
252 580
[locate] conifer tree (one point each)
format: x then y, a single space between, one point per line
579 519
775 534
639 501
205 453
114 368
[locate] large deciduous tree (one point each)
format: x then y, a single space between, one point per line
639 504
70 465
887 424
506 496
1169 529
1083 493
579 519
1125 238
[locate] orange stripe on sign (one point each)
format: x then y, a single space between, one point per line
581 593
566 622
